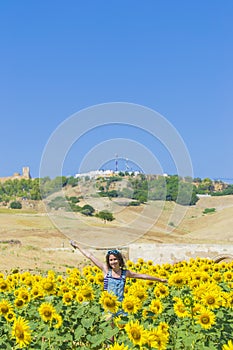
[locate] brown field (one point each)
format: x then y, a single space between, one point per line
44 237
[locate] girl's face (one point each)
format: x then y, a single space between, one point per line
113 261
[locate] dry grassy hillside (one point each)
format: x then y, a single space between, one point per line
44 237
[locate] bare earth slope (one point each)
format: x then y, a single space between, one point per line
44 240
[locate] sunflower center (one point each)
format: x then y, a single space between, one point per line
19 302
48 286
3 286
130 306
19 333
47 313
110 303
211 300
205 319
135 334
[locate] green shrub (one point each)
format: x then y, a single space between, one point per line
208 210
15 205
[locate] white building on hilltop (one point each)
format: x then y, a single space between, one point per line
96 173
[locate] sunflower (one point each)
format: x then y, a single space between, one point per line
228 276
211 299
24 276
194 284
64 289
180 309
150 262
91 279
10 316
46 311
140 261
200 290
74 281
154 269
5 307
216 267
205 267
4 286
60 279
139 291
161 291
109 302
217 277
117 346
157 339
187 301
99 278
205 277
146 314
37 278
37 292
48 286
87 292
75 272
196 276
68 271
131 304
21 332
178 280
24 295
95 269
79 298
156 306
10 279
28 281
228 346
67 298
19 303
118 322
196 308
86 270
228 299
136 333
164 327
130 264
150 283
57 320
206 318
167 266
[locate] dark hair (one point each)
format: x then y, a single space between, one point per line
118 255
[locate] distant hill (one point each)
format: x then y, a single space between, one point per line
44 237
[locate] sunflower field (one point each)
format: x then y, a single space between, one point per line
70 310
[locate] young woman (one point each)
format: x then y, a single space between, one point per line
114 271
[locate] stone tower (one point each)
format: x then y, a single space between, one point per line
26 173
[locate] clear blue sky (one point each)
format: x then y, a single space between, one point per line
171 56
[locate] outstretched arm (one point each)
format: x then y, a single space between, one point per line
144 276
88 255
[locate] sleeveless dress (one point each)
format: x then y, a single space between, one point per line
115 285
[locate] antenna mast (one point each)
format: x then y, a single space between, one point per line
116 162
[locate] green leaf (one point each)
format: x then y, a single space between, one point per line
96 339
79 332
87 322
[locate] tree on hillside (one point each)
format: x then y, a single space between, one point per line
15 205
87 210
105 215
72 181
58 203
48 186
187 194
